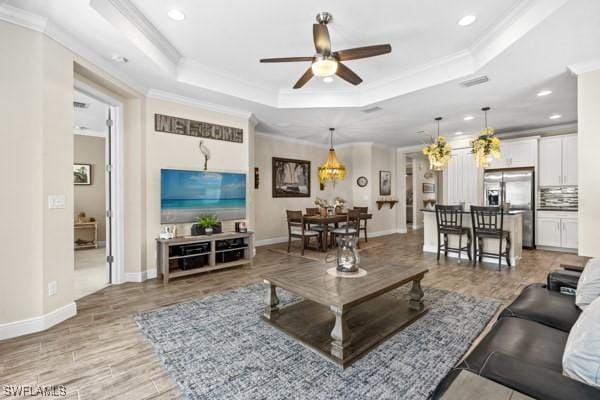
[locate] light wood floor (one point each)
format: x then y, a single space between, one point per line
100 354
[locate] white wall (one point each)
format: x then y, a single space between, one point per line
588 110
166 150
21 173
91 199
361 159
270 212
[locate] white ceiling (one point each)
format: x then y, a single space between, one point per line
89 121
212 56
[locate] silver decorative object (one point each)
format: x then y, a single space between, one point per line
347 255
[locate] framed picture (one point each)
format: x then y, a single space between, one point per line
82 174
428 187
291 178
385 183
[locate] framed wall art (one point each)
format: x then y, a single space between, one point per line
291 178
82 174
385 183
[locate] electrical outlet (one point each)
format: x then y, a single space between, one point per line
52 288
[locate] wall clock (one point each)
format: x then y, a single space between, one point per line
362 181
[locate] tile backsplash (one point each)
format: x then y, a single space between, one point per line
559 197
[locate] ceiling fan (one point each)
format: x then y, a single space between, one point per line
327 63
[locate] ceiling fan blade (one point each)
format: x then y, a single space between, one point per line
321 39
347 74
362 52
285 59
304 78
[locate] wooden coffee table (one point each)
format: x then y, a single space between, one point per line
343 318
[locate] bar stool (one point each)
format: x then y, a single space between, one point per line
488 223
449 222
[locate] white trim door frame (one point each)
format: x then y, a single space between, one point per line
116 274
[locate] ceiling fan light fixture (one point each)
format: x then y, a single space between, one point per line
324 66
328 79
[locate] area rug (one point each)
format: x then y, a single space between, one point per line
218 348
314 254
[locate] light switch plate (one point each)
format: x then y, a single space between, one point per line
52 288
56 201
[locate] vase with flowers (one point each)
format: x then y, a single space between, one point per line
486 146
439 151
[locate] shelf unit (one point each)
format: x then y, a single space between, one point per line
83 226
167 262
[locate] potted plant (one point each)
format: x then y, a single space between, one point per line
206 224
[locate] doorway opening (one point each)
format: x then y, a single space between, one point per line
94 192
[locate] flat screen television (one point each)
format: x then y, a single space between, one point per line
184 195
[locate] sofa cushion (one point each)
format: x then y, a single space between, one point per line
588 287
581 360
538 304
526 340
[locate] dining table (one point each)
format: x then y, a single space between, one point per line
326 220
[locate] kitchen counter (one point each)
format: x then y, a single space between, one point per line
513 222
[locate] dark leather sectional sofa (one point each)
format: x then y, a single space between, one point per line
524 349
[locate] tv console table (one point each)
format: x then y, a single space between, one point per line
210 252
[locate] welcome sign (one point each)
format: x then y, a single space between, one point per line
188 127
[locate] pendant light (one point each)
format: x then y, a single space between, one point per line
332 169
487 145
439 151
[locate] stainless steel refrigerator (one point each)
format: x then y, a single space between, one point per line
517 188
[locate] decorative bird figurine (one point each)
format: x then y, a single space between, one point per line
206 152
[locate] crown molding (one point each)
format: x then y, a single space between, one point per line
126 18
192 72
584 67
520 20
292 140
189 101
22 18
560 129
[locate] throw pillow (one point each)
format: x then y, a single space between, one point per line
588 286
581 359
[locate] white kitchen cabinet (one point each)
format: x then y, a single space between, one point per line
462 178
569 160
548 232
517 154
558 161
569 233
556 229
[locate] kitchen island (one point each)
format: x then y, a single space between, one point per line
513 223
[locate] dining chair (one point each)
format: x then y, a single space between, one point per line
350 228
449 219
488 223
362 222
297 229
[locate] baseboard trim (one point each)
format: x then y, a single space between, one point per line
283 239
383 233
37 324
266 242
139 277
513 260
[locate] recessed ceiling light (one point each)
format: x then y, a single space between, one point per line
119 59
176 15
458 133
555 116
467 20
468 117
328 79
544 92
